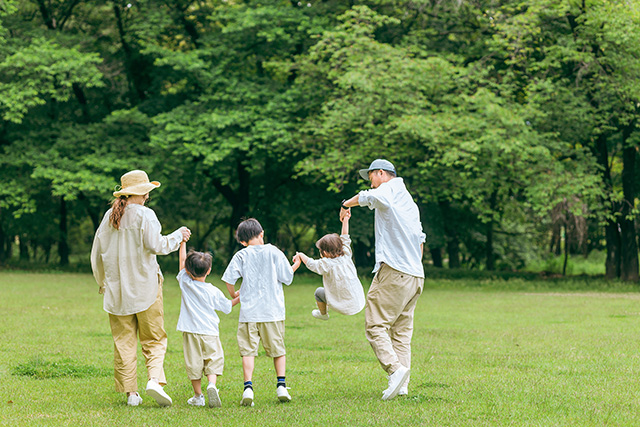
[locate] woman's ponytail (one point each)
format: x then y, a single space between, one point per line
117 211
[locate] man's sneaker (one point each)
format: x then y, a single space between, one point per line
196 400
214 396
316 313
283 394
395 383
247 397
404 391
155 390
134 399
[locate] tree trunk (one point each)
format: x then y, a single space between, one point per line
612 239
24 248
491 260
628 243
566 249
556 240
3 238
63 245
134 94
451 235
436 256
237 198
612 232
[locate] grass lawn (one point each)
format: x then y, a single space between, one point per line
484 353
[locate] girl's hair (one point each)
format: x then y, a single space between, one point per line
247 230
118 204
198 263
331 245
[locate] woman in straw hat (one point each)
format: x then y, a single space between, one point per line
123 259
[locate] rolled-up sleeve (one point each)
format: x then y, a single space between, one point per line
153 239
374 199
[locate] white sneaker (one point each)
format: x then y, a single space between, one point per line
214 397
247 397
404 391
395 383
316 313
155 390
196 400
283 394
134 399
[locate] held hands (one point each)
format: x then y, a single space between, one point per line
186 233
345 214
296 262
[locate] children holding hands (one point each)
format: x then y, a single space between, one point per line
264 269
199 322
342 290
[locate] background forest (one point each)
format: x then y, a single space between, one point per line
513 122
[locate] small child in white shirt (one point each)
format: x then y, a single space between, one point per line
199 322
342 291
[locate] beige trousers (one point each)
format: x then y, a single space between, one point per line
391 301
149 326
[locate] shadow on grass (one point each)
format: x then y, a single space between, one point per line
44 369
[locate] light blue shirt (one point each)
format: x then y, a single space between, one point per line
398 230
200 300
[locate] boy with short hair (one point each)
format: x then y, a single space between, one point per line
263 269
199 322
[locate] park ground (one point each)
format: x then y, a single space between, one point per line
486 351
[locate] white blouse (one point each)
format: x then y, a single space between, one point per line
124 260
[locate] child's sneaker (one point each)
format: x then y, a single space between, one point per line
283 394
196 400
214 397
316 313
247 397
134 399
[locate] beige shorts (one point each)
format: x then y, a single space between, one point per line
270 333
202 355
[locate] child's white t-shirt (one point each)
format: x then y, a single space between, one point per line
342 287
198 305
264 269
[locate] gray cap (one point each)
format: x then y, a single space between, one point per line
377 164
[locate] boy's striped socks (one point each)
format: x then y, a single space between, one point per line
248 384
281 382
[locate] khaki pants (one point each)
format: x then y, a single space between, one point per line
202 355
391 301
149 326
270 333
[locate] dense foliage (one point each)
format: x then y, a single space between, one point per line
513 122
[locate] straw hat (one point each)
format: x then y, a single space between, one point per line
135 183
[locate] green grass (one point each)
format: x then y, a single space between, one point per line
485 352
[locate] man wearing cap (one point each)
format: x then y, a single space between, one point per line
123 259
399 274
